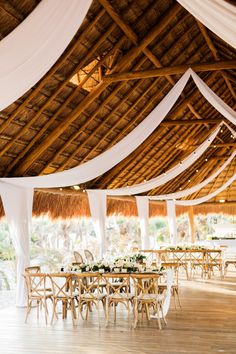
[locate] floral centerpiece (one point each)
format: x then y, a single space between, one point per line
125 264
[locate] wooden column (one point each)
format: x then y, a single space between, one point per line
191 224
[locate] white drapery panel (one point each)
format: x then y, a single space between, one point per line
168 175
171 217
17 203
194 189
98 208
108 159
30 50
213 99
143 214
217 15
208 196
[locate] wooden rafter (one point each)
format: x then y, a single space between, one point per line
171 70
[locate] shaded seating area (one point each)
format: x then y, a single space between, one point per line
117 176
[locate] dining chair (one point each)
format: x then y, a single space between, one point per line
78 257
33 269
63 291
214 261
90 293
37 291
147 296
118 292
162 286
88 255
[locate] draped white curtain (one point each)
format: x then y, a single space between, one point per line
143 214
171 217
188 191
208 196
213 99
217 15
30 50
17 203
168 175
98 208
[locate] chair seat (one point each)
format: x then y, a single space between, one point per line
92 296
164 285
151 297
121 296
66 295
41 293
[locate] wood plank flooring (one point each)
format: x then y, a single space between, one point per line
206 324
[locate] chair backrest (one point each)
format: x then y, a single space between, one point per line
88 284
36 284
214 257
78 257
145 283
175 267
61 285
117 283
33 269
89 256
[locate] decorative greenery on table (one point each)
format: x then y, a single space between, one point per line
127 264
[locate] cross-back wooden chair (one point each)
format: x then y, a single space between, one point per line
214 261
175 285
118 292
89 256
37 291
147 296
197 263
78 257
62 290
33 269
90 293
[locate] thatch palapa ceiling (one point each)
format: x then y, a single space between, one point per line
124 59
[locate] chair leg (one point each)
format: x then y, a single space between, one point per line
29 307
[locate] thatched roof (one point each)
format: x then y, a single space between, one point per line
65 120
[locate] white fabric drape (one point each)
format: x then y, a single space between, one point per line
168 175
208 196
171 217
98 208
17 203
30 50
194 189
108 159
143 214
217 15
213 99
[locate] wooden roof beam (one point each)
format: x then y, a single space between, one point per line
168 123
171 70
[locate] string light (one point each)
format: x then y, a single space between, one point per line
222 200
76 187
180 188
206 159
214 146
60 189
189 180
84 191
196 170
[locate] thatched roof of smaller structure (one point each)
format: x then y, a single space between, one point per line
68 205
